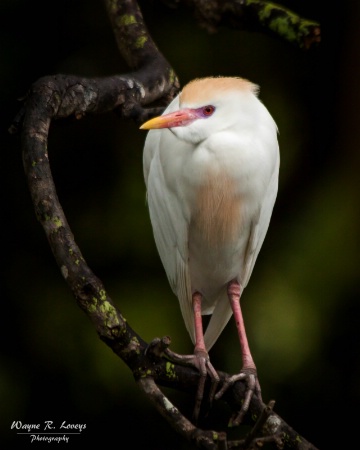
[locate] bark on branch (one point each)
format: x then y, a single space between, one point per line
141 93
255 15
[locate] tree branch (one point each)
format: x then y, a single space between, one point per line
151 83
255 15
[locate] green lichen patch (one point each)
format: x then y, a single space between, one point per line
282 27
140 41
266 11
57 222
92 306
106 307
102 294
170 370
126 19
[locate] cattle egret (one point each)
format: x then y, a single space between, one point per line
211 167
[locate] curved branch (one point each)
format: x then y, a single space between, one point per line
60 96
255 15
151 81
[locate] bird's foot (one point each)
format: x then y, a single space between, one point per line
199 360
249 375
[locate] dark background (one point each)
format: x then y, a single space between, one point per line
301 307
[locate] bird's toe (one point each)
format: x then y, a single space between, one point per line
252 386
205 368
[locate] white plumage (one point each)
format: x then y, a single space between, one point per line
211 172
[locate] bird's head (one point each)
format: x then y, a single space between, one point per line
206 106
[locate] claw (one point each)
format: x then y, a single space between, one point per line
203 364
199 360
252 386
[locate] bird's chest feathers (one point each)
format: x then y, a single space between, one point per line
216 212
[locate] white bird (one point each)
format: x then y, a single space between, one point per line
211 165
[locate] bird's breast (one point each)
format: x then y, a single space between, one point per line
216 216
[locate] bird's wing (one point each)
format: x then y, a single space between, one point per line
222 311
260 227
169 226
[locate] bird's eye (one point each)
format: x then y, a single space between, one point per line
208 110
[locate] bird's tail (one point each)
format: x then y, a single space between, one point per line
220 317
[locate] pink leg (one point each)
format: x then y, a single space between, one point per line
234 293
199 333
248 372
200 359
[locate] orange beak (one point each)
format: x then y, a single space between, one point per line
176 119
